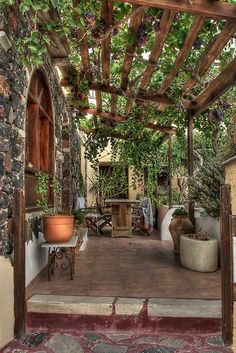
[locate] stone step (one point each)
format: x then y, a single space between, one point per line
107 306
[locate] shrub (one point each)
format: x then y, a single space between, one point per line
180 212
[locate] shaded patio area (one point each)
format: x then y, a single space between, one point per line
140 266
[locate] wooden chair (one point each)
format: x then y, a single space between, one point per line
97 221
142 217
96 217
138 220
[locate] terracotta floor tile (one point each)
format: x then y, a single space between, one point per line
140 266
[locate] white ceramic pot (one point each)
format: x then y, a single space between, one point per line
199 255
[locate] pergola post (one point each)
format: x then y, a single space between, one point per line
190 161
170 150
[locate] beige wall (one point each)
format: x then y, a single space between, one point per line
230 178
234 332
88 174
6 302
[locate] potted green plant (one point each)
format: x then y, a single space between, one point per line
57 227
199 252
180 224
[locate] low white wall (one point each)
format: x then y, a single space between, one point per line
35 258
6 302
164 227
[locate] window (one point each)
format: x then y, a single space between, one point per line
39 137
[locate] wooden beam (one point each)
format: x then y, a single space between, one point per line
190 162
183 53
135 22
98 100
170 156
113 134
120 118
145 96
106 16
128 106
215 89
226 264
63 61
19 262
84 53
113 103
207 8
212 51
166 22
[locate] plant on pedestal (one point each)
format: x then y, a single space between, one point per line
57 227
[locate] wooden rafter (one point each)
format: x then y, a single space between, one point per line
212 51
135 22
183 53
117 135
121 118
114 98
166 22
207 8
60 61
128 106
145 96
113 134
106 16
214 90
98 100
84 53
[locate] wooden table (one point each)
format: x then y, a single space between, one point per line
58 251
121 216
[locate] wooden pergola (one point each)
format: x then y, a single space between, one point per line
59 51
201 9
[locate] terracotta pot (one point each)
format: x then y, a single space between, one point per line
58 229
179 225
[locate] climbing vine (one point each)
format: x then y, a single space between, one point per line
140 147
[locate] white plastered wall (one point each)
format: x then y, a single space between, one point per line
7 302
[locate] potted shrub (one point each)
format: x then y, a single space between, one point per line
199 252
57 227
180 224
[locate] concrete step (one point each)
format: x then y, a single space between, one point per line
60 311
106 306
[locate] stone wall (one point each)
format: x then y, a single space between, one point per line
14 83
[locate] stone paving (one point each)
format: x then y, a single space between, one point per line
115 342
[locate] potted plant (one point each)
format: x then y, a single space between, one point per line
199 252
180 224
57 227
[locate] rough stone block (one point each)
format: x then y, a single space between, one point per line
64 344
128 306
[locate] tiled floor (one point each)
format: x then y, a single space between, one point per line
140 266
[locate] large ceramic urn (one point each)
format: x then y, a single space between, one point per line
180 224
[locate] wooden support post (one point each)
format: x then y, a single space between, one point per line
190 162
170 169
226 264
19 262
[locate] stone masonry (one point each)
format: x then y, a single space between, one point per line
14 83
